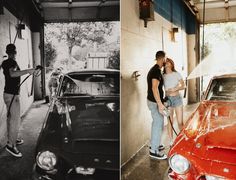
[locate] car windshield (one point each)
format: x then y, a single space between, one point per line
223 89
90 85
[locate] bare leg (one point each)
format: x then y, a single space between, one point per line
170 131
179 116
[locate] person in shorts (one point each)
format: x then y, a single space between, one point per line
173 84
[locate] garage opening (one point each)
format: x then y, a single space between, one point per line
85 45
218 51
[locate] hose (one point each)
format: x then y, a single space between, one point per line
18 87
171 124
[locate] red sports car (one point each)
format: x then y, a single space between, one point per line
206 147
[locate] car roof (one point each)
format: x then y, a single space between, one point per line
225 76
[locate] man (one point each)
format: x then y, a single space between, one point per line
11 98
155 105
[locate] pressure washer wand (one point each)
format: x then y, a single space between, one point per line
8 111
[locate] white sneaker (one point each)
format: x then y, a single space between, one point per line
13 151
158 156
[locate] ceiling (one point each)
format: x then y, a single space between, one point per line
79 10
215 10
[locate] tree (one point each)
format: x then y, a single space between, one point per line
79 34
206 50
217 32
50 55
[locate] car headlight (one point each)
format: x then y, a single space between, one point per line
46 160
179 164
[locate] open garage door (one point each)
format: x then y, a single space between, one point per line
79 10
215 10
67 11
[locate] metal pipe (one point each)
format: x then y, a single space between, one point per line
203 33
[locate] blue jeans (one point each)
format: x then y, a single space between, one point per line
157 126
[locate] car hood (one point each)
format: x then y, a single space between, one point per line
212 130
92 118
91 127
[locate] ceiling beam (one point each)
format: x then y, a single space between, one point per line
81 14
79 4
216 4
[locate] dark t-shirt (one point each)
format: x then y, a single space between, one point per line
11 83
154 73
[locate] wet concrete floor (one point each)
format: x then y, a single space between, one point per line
142 167
12 168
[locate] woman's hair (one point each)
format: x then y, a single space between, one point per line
172 65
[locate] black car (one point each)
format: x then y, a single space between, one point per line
80 136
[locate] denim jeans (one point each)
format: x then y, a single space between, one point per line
13 120
157 126
175 101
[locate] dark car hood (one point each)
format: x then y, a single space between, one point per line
94 119
212 131
93 128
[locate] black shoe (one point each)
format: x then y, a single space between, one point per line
160 148
19 141
157 156
13 151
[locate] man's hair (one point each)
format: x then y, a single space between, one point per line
160 54
11 49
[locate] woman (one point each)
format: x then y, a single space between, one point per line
173 83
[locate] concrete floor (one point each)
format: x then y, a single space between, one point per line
142 167
12 168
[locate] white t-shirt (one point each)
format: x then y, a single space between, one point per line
171 80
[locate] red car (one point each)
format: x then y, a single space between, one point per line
206 147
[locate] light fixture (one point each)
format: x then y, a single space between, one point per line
173 33
20 26
146 11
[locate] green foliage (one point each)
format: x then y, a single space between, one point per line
114 60
82 38
206 50
217 32
50 55
79 34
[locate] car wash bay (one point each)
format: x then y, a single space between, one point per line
22 23
138 47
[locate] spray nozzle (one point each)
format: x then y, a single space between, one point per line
39 67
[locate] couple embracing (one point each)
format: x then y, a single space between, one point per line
173 83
